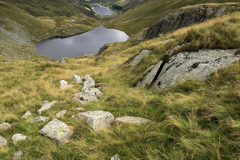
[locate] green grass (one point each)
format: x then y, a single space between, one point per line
149 12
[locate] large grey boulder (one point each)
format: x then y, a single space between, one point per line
139 57
64 85
175 19
88 83
57 131
115 157
40 119
3 142
131 120
193 66
77 79
17 137
148 80
46 106
97 119
5 126
26 115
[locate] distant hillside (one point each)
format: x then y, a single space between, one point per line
50 7
148 12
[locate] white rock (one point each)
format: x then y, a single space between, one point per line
94 92
57 131
115 157
132 120
77 79
64 85
40 119
18 137
17 155
26 115
3 142
5 126
97 119
61 113
46 106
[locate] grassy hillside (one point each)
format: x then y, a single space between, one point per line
148 12
193 120
49 7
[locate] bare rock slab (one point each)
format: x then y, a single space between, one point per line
131 120
26 115
5 126
40 119
17 137
139 57
115 157
46 106
3 142
57 131
97 119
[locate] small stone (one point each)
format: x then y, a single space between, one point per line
40 119
132 120
61 113
26 115
115 157
97 119
3 142
77 79
46 106
57 131
5 126
17 155
18 137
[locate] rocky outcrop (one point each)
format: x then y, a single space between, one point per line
102 49
131 120
137 59
193 66
97 119
175 19
57 131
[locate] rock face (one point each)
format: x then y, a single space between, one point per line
102 49
40 119
139 57
77 79
97 119
131 120
5 126
148 80
64 85
27 115
57 130
175 19
193 66
18 137
45 106
3 142
115 157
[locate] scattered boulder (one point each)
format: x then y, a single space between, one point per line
102 49
139 57
61 113
131 120
113 67
40 119
97 119
62 61
5 126
115 157
94 92
193 66
17 137
64 85
46 106
57 131
27 115
82 98
149 79
17 155
3 142
88 83
77 79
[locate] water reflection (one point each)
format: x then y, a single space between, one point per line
86 43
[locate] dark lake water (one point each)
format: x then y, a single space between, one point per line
86 43
102 10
